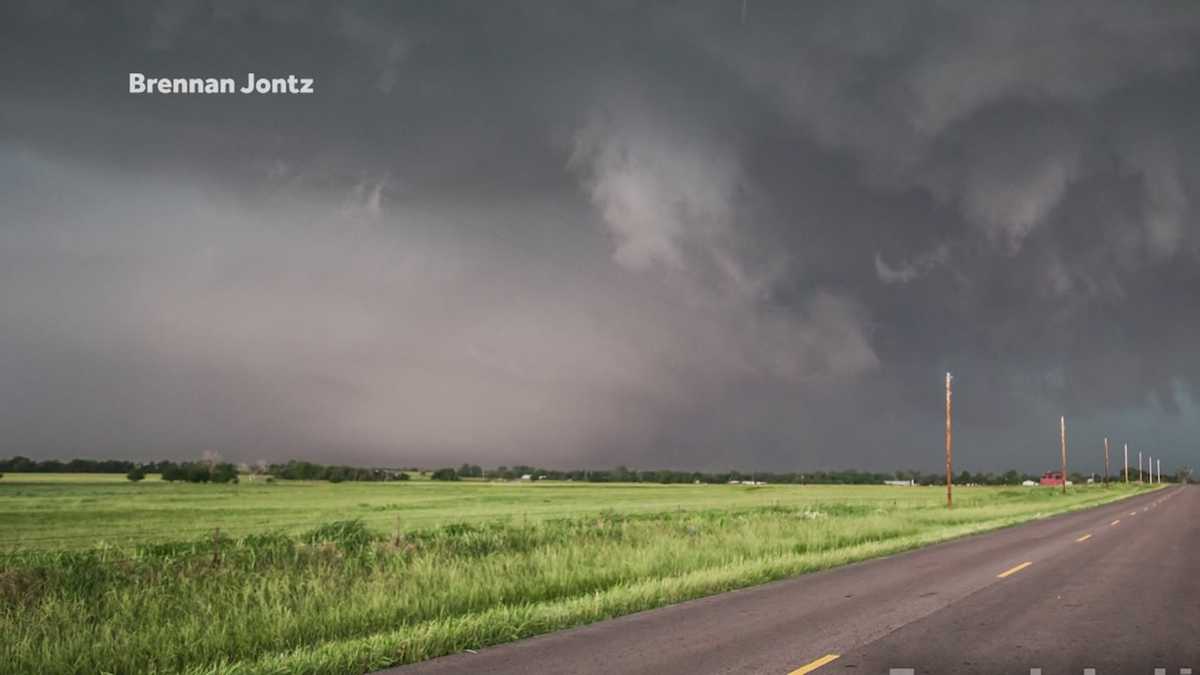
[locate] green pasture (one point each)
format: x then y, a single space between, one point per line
100 575
76 511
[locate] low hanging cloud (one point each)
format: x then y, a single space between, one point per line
671 196
664 192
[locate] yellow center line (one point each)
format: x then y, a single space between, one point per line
1115 522
1084 537
809 667
1014 570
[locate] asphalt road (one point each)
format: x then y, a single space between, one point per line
1115 588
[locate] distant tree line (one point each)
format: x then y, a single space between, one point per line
214 471
205 471
20 464
297 470
194 472
622 474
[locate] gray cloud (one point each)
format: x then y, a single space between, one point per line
904 106
908 270
663 236
658 188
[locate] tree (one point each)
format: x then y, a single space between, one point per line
197 472
20 463
136 474
470 471
223 472
171 472
444 474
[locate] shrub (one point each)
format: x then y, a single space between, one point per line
135 474
445 474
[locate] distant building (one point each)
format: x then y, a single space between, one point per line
527 477
1052 478
900 483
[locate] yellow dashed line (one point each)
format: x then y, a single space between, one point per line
1014 570
809 667
1084 537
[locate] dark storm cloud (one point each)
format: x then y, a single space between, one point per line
665 235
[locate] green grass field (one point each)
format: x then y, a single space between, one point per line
101 575
77 511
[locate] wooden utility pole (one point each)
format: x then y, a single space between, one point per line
949 448
1126 462
1106 461
1139 466
1062 435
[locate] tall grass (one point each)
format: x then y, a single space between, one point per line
343 598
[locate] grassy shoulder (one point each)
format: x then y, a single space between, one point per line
349 597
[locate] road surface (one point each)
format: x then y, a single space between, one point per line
1115 588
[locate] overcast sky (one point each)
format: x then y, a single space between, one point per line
666 234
